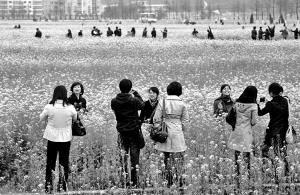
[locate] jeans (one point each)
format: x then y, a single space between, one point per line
128 141
63 149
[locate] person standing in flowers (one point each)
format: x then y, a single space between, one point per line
147 112
165 33
69 34
254 33
126 106
241 138
153 33
144 35
224 103
296 33
76 98
195 33
58 132
260 33
278 110
284 33
177 121
38 33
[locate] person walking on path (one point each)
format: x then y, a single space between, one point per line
58 132
126 106
241 138
177 122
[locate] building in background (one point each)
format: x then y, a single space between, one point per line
21 9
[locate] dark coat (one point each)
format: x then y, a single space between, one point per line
279 115
260 34
254 34
126 108
153 33
226 103
147 111
78 103
38 34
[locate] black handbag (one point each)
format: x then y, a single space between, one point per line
78 129
141 139
231 118
160 133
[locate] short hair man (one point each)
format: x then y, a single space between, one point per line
126 106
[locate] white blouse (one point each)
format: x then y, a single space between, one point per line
59 126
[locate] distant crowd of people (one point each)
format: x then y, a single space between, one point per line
109 33
261 34
269 33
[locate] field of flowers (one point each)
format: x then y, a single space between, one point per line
30 69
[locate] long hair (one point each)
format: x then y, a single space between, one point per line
249 95
60 93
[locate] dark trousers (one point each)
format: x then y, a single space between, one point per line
245 156
63 150
128 141
174 165
277 142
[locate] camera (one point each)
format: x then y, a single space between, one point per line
262 99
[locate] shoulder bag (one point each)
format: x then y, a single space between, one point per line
160 133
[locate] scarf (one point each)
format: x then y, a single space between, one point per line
153 103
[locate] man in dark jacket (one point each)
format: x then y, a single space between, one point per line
278 125
126 106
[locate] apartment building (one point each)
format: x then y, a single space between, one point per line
21 9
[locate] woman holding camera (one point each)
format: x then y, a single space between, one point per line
241 138
58 132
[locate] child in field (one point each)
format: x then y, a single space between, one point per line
38 33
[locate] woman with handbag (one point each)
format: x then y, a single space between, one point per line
58 132
241 139
172 113
147 112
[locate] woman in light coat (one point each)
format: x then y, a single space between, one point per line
58 132
241 138
177 121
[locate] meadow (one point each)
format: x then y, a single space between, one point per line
30 69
